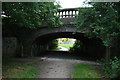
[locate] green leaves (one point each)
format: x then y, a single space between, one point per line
111 69
101 20
30 14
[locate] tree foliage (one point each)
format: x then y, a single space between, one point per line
30 15
111 69
102 20
77 46
64 39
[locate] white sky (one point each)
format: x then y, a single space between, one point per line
71 3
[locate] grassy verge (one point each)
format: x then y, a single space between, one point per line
19 70
86 71
66 45
57 48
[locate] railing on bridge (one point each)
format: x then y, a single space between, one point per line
64 13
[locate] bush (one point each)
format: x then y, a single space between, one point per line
76 46
112 68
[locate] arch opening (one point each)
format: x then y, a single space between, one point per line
90 47
62 44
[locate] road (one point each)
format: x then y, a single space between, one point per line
58 68
55 68
63 48
56 65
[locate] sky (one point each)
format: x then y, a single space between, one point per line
71 3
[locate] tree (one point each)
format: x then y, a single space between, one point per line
64 39
102 20
77 46
31 15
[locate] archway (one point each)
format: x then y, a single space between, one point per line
92 47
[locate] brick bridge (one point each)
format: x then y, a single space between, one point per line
36 41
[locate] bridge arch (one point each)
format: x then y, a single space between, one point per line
30 37
39 41
46 34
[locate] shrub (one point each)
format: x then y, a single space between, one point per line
112 68
76 46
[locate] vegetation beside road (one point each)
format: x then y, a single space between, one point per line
57 48
19 70
108 70
86 71
66 45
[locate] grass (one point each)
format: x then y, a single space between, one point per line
66 45
19 70
86 71
57 48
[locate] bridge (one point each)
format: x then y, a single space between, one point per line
36 41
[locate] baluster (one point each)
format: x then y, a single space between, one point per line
59 13
62 14
72 14
75 13
55 13
65 14
68 13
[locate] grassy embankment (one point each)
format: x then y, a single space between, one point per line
57 48
66 45
83 70
19 70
